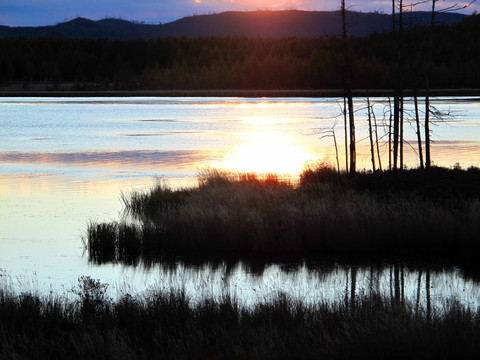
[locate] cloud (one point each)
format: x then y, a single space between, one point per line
152 159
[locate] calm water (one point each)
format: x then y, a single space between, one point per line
64 162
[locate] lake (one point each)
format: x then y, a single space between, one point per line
65 162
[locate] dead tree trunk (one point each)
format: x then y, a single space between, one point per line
400 77
398 91
336 148
427 88
372 147
377 142
346 131
401 129
419 134
348 91
395 95
390 135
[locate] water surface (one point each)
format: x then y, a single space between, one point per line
65 161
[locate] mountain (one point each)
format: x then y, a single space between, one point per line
288 23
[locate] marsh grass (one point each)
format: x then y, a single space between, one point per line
416 214
166 325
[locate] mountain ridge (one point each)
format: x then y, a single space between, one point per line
263 23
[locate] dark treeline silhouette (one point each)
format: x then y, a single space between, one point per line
264 23
244 62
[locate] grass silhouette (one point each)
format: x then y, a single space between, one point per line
166 325
417 214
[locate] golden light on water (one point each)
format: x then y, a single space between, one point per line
268 153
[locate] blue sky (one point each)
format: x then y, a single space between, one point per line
49 12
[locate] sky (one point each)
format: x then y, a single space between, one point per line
50 12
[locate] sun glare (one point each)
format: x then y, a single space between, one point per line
268 153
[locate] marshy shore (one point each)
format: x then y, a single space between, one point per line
165 325
416 214
422 215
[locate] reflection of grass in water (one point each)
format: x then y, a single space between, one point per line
164 324
415 214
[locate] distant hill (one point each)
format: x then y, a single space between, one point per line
289 23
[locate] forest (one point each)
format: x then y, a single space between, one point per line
245 62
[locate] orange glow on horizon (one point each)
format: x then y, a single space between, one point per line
258 4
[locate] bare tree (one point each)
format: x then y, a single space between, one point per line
390 135
427 87
325 132
452 8
377 142
348 90
370 131
336 148
419 134
346 132
398 87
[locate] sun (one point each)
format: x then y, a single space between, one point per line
268 153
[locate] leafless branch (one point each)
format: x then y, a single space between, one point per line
455 7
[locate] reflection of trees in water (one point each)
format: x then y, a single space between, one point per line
425 290
396 286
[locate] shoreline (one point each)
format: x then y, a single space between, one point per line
321 93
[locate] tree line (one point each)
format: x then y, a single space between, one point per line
247 63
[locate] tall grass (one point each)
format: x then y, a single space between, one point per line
414 214
165 325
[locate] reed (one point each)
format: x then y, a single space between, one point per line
102 240
431 214
165 324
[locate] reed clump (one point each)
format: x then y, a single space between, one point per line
166 325
414 214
